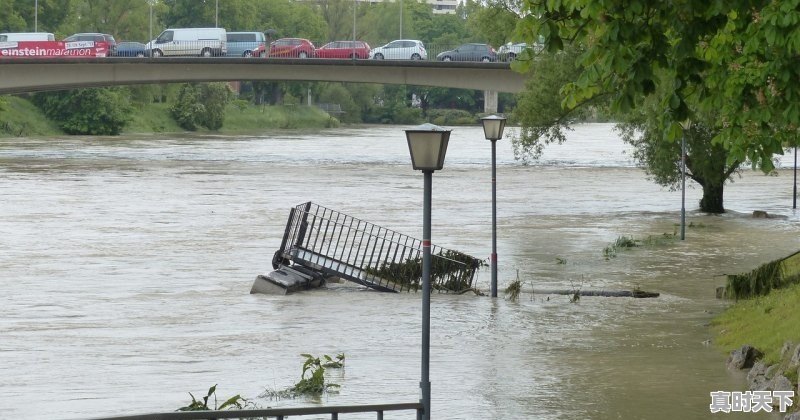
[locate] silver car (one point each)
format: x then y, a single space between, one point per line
401 49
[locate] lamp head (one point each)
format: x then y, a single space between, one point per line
427 145
493 126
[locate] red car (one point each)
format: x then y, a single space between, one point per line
344 50
292 47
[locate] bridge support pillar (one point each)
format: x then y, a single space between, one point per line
490 102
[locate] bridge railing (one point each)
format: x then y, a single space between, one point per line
277 413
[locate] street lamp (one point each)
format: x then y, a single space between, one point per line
36 16
683 183
427 145
493 130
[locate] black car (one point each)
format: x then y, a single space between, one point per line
469 52
96 37
131 49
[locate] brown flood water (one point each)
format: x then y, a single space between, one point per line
127 263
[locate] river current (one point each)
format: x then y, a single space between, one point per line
127 262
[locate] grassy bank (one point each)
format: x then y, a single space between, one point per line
240 117
765 322
21 118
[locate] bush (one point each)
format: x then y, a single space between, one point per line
96 111
201 105
403 115
451 117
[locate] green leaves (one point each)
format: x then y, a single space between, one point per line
196 405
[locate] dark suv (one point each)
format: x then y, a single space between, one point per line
96 37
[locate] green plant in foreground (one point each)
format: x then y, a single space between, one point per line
314 383
235 401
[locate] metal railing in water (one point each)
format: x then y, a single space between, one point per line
276 413
343 246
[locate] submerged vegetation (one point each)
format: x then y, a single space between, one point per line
235 401
450 271
312 379
624 242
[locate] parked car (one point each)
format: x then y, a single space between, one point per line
292 47
469 52
510 51
132 49
95 37
344 49
260 51
242 44
401 49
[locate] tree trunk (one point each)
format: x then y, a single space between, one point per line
712 198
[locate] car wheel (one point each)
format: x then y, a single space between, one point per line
379 56
511 56
205 53
247 54
416 57
486 59
303 54
447 58
353 56
140 54
157 53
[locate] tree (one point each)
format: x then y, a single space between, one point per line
338 14
201 105
187 110
96 111
735 59
215 97
539 113
11 20
494 22
125 19
706 161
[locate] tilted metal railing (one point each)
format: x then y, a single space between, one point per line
277 413
340 245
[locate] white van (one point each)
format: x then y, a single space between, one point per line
26 36
203 42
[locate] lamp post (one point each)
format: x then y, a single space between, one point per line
401 19
150 2
493 130
427 145
216 15
683 184
36 16
794 188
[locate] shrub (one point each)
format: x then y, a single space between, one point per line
451 117
95 111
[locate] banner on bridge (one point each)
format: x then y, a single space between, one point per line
50 49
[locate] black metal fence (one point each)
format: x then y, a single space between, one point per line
277 413
344 246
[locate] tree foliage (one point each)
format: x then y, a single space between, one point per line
736 58
201 105
96 111
540 116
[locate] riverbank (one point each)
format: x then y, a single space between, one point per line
762 334
21 118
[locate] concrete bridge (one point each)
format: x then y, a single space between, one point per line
42 74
